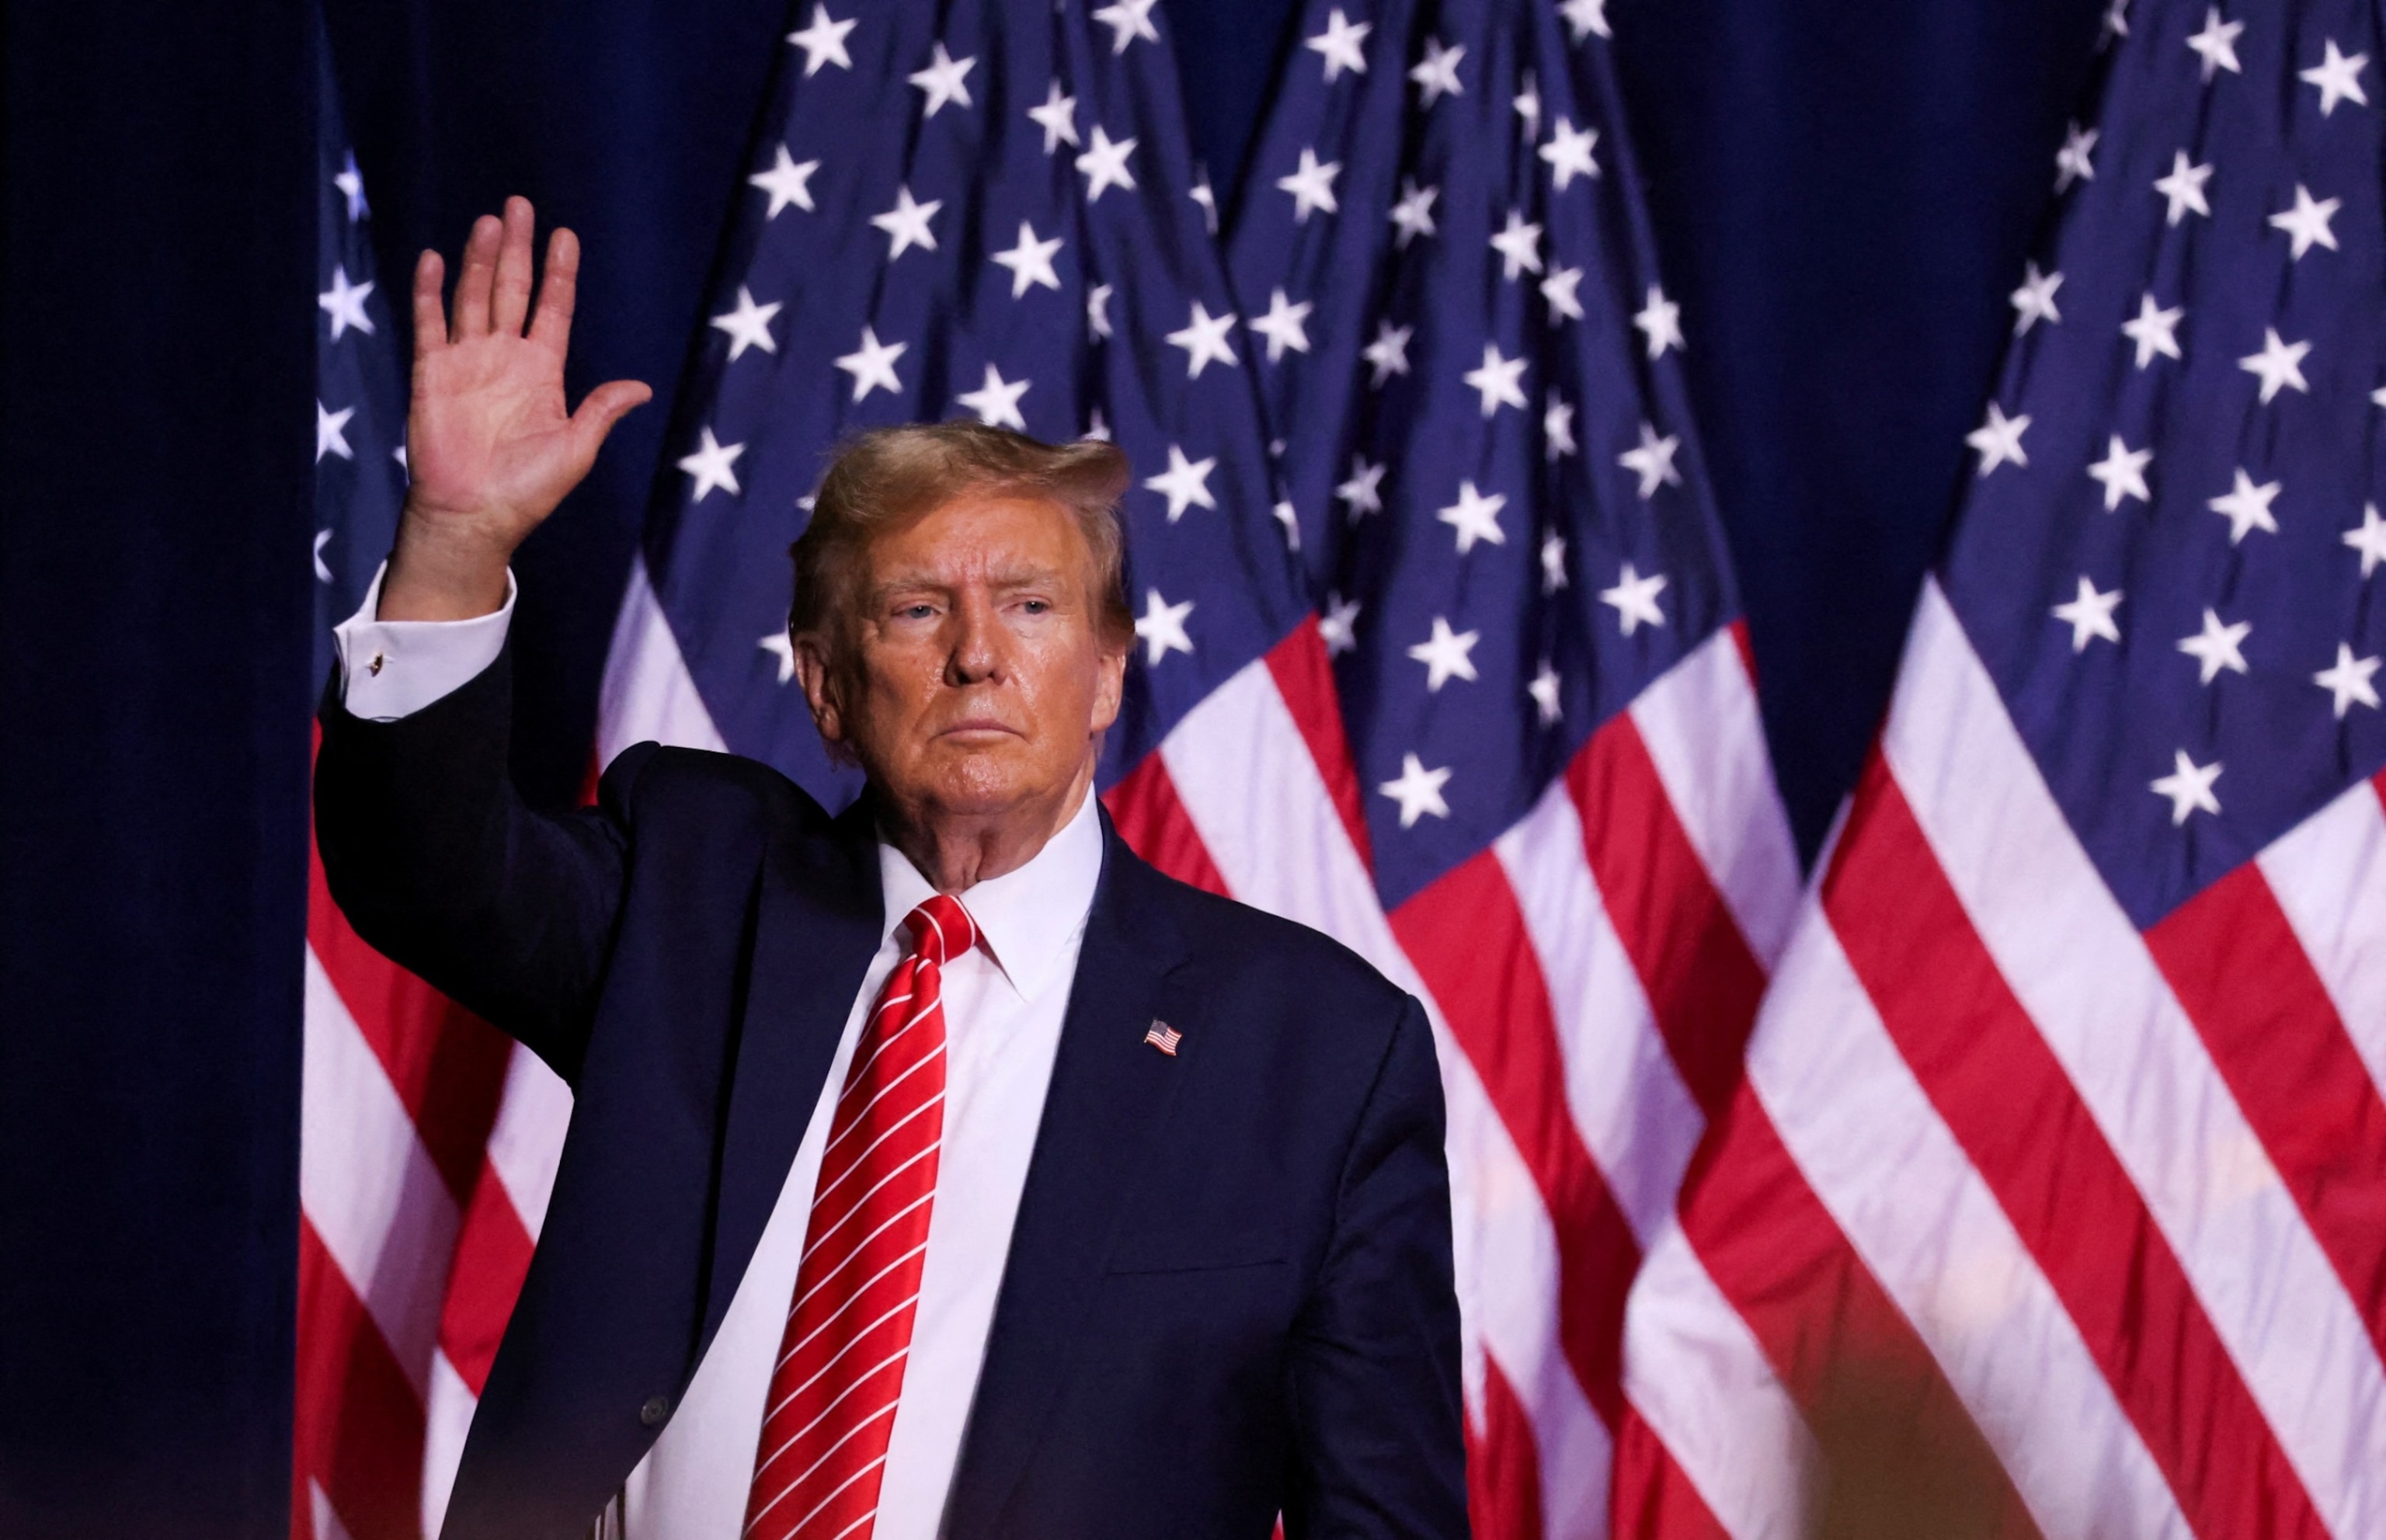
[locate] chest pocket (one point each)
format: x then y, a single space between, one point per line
1256 1246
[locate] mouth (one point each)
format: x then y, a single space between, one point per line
978 729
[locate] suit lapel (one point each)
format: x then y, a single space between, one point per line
817 922
1110 1094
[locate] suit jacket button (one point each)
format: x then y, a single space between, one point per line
654 1410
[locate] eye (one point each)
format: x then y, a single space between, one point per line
916 611
1038 606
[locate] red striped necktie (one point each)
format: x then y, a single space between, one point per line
840 1371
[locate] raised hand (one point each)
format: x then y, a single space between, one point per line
489 446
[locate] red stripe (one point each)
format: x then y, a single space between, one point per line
1701 979
360 1426
1503 1465
1304 677
1153 820
1467 938
1745 648
1650 1496
2237 967
493 1254
1893 1435
2022 1124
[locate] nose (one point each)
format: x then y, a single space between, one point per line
977 643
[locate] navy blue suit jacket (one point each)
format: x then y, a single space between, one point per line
1229 1290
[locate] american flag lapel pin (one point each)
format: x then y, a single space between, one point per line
1164 1037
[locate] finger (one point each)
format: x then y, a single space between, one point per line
511 301
430 315
558 291
605 406
471 308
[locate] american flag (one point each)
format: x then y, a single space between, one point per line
2062 1134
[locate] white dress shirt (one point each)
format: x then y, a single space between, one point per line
1003 1006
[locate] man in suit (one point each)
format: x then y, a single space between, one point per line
935 1168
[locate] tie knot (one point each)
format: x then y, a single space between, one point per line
941 928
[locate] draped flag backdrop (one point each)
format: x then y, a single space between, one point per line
1438 649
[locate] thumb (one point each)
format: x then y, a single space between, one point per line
603 406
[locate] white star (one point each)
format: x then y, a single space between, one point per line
1498 379
1056 118
1528 102
1204 341
1338 624
945 79
2370 539
783 647
1207 196
1519 248
824 42
330 436
1162 628
1557 427
1553 568
2071 163
1544 691
1185 483
2339 78
1129 19
2123 472
2034 301
711 465
1444 654
2349 681
2189 786
1569 153
322 538
788 181
1652 461
2377 397
2217 646
351 183
2247 507
1097 309
1660 321
2090 616
873 365
2154 331
1030 261
1588 17
1311 186
2279 364
1362 493
1474 516
1290 517
2184 187
996 402
906 224
1104 164
2308 222
1388 354
1558 293
1437 73
1414 212
344 303
2217 43
1999 439
1339 45
748 325
2117 24
1418 790
1635 598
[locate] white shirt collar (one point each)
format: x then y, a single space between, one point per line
1026 918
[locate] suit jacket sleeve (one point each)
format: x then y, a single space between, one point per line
437 862
1374 1376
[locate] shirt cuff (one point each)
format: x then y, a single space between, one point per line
393 668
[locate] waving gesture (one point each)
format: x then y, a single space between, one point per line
490 447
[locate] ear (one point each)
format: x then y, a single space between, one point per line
822 688
1109 687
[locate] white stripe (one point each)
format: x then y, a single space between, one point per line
527 1140
2329 876
2084 975
859 1246
1876 1154
648 692
368 1185
1699 721
447 1417
1629 1101
327 1523
1702 1383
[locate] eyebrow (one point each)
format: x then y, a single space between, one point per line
1017 578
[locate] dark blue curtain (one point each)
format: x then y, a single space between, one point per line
1844 193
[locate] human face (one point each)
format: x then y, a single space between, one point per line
974 684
